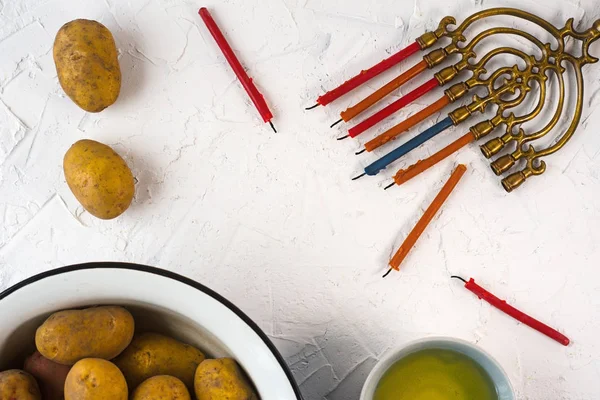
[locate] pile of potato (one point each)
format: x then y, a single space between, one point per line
93 354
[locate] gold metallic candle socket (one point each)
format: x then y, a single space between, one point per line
513 181
492 147
503 164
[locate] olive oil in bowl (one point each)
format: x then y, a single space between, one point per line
435 374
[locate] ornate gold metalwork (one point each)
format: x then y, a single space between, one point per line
507 87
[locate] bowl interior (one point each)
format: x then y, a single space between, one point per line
160 301
494 370
148 318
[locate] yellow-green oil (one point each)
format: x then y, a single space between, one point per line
436 374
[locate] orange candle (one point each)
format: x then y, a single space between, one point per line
431 211
407 174
379 94
402 127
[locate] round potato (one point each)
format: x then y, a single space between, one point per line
86 61
95 379
17 384
161 387
50 376
99 332
151 354
222 379
99 178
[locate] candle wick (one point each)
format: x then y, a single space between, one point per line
389 186
313 107
343 137
458 277
273 126
360 176
387 273
336 122
360 152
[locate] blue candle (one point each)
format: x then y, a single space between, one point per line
383 162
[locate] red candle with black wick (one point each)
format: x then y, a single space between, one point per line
367 75
256 97
513 312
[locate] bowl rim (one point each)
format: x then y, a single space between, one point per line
396 353
170 275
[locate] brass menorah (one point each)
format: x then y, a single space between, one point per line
506 88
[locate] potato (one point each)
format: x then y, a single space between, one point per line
86 61
49 375
95 379
99 332
161 387
16 384
151 354
222 379
99 178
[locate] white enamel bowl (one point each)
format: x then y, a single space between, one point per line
160 301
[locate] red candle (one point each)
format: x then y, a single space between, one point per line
369 74
256 97
513 312
395 106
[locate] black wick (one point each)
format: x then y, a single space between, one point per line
336 122
389 186
313 107
458 277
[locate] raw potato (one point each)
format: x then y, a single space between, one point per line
95 379
222 379
99 178
161 387
50 376
99 332
151 354
86 61
18 385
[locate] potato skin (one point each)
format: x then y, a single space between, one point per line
222 379
17 384
99 178
86 61
50 376
151 354
71 335
95 379
161 387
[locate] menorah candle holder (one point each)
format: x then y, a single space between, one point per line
505 88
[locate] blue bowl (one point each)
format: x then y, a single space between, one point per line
501 382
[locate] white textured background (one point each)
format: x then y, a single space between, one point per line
272 221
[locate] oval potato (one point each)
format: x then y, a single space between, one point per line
86 61
95 379
99 332
161 387
151 354
222 379
17 384
99 178
50 376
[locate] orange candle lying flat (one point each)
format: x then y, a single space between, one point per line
433 208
